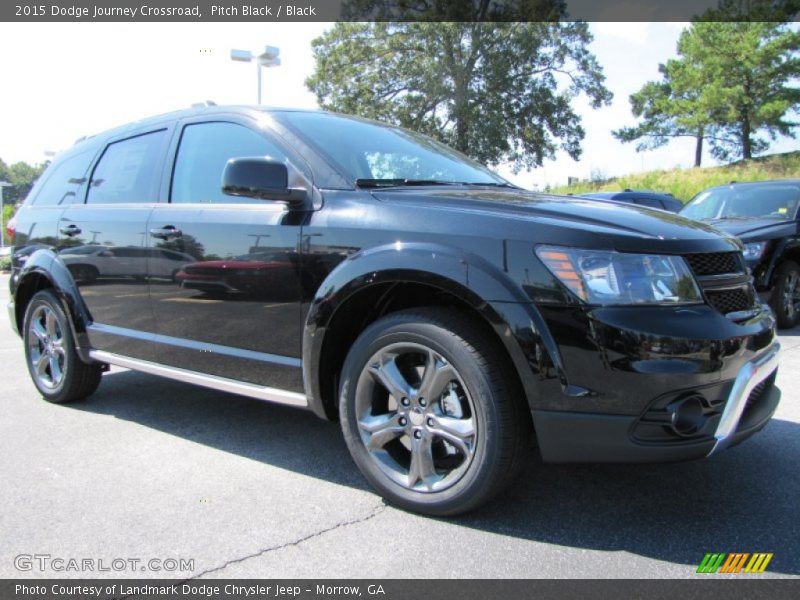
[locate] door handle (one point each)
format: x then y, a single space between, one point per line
165 233
70 230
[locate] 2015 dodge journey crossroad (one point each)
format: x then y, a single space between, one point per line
376 277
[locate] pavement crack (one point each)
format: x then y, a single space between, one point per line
340 525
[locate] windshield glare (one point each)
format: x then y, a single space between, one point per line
366 150
766 201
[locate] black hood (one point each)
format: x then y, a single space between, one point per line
575 220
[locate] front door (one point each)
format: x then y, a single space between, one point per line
232 308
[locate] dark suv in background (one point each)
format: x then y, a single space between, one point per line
377 277
640 198
764 215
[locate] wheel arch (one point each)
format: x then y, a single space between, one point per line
371 284
44 270
787 249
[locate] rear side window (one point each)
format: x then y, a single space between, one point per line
60 186
204 150
128 171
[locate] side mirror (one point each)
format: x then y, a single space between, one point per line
262 178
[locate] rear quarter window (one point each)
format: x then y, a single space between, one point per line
60 184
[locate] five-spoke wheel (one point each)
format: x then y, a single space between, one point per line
429 410
53 362
786 296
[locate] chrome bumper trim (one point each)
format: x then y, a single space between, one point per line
750 375
12 316
210 381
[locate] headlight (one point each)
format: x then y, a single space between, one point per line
607 277
754 250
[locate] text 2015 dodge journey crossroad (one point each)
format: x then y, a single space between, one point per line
374 276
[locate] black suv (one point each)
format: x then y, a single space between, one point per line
641 198
377 277
764 215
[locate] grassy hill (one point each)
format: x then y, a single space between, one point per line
685 183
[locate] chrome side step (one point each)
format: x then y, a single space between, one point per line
210 381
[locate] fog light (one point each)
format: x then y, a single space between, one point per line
688 415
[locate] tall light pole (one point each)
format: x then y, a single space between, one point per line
269 58
3 184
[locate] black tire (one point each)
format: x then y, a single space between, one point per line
785 300
63 376
490 396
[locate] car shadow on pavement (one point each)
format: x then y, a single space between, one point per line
743 500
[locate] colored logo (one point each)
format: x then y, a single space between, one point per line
735 562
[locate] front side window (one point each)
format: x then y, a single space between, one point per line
128 171
204 150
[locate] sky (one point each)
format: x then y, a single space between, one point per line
62 81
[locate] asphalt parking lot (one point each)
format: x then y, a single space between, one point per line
154 469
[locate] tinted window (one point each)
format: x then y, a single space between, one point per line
60 186
650 202
367 150
774 201
204 150
128 171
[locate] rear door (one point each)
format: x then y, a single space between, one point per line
60 186
232 308
106 237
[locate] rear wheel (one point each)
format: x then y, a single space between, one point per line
786 295
431 413
53 363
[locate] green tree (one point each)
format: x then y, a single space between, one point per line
743 76
495 91
731 82
669 109
21 176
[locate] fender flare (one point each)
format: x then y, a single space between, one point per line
483 286
784 246
46 263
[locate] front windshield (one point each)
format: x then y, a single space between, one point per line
370 151
751 201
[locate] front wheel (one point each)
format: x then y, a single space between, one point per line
431 413
786 295
53 363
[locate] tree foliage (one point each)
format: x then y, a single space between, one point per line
495 91
731 85
21 176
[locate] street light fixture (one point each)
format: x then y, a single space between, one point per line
3 184
269 58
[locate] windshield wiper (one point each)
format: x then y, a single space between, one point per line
492 184
377 183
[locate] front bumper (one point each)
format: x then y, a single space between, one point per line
584 437
655 384
12 316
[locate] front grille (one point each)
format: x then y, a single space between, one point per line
715 263
728 301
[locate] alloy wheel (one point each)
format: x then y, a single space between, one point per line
791 294
415 417
46 347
